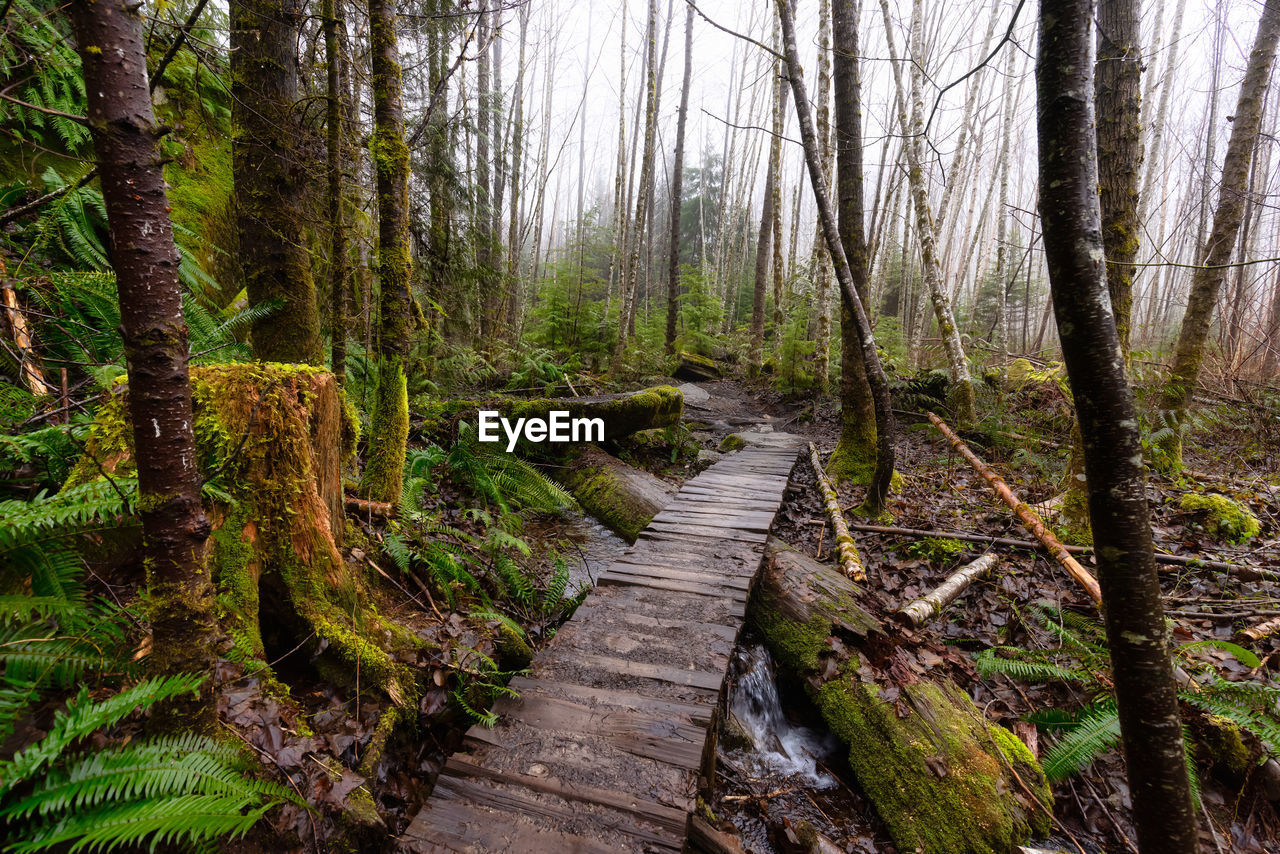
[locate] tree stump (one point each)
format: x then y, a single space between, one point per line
271 440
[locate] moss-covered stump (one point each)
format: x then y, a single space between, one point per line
271 439
624 498
622 414
942 779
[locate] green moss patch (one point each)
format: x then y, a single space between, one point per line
1223 517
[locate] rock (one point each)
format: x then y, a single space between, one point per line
694 394
733 442
709 457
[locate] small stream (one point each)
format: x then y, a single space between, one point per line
778 766
586 546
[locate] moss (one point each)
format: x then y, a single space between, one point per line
350 427
940 777
259 437
854 459
602 494
388 435
939 551
1223 517
513 650
733 442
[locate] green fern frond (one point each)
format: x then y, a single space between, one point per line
990 662
1097 730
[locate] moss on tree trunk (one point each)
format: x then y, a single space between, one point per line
943 780
271 439
622 497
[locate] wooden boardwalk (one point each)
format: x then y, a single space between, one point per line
604 748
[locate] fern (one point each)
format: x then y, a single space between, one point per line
1096 730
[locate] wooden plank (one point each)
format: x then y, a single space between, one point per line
627 615
691 529
665 817
697 576
694 569
713 590
668 741
744 521
662 673
612 698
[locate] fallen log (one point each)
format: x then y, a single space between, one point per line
17 323
942 779
622 414
1238 570
1028 517
846 549
624 498
365 507
935 602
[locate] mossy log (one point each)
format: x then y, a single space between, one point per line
623 414
941 778
696 368
271 440
624 498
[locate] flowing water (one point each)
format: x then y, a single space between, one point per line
779 766
778 747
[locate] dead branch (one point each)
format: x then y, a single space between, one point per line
1029 519
847 551
1237 570
935 602
374 508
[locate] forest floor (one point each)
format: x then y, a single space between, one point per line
940 491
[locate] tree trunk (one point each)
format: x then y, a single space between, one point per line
624 498
511 308
337 220
942 779
389 430
962 395
269 181
627 318
821 261
886 432
483 219
1146 694
1001 343
677 188
1117 91
1206 281
765 249
854 457
181 603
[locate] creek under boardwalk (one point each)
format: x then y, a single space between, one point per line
603 750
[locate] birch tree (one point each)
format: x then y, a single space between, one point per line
886 432
962 394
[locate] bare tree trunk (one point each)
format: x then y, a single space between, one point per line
1146 694
389 430
1117 91
846 45
677 187
821 261
962 397
514 298
619 190
337 219
768 227
1207 280
1002 217
180 598
483 220
627 318
268 196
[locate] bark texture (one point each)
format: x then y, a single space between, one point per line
1118 93
337 221
1227 218
174 525
854 458
389 430
677 189
270 179
886 430
1146 694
